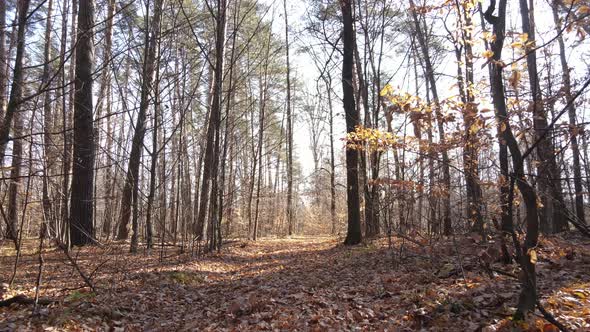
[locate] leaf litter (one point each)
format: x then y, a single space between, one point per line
306 284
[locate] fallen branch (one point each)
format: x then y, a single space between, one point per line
504 273
87 280
22 299
550 318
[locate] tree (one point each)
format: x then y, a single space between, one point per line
430 76
553 214
470 117
81 206
3 62
353 235
16 90
130 197
213 126
49 146
289 131
528 296
574 128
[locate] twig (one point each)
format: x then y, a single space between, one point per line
459 257
550 318
39 274
87 280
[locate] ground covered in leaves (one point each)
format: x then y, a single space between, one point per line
305 284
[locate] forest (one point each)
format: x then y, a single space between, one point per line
310 165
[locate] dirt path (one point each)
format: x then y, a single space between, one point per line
306 284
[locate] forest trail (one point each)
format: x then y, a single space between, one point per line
303 283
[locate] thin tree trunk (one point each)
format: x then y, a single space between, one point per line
105 82
48 145
470 140
3 62
15 180
567 89
290 209
130 190
67 110
553 213
332 158
153 166
447 226
212 145
528 295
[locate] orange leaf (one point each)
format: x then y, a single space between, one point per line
550 328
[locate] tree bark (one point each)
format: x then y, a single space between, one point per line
3 62
574 129
528 295
332 158
212 145
353 235
16 90
48 145
290 209
131 190
553 214
469 112
81 205
446 201
15 180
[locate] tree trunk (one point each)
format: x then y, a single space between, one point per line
130 190
16 91
3 62
105 82
81 206
332 158
553 214
447 225
153 166
48 145
212 145
353 235
15 180
575 130
470 139
528 295
290 209
67 110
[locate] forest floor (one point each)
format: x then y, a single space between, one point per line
304 284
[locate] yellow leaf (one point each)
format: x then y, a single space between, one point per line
387 89
584 9
579 294
514 78
488 54
533 256
489 36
